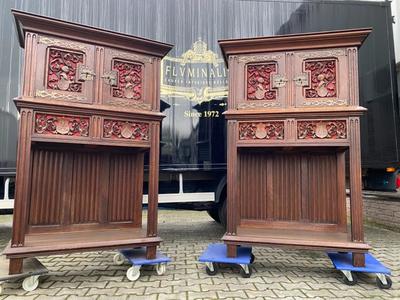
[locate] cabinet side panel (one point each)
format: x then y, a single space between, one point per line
46 187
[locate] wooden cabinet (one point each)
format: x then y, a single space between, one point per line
293 117
89 112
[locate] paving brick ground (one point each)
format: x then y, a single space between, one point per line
286 274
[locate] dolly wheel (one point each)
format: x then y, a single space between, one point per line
380 282
119 259
133 273
161 268
211 269
352 281
245 271
252 258
30 283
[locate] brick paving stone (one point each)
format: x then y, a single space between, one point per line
130 291
181 296
231 294
202 295
185 288
264 294
214 287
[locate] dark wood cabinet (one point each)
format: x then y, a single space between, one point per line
89 111
293 116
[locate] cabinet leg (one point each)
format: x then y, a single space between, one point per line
232 250
358 259
15 266
151 252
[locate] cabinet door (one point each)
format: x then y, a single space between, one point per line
262 81
127 80
64 70
321 78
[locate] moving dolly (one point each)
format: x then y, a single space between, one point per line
342 262
137 257
216 253
32 270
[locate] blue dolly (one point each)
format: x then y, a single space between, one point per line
137 257
342 261
216 253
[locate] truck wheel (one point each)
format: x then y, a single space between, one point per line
222 212
213 213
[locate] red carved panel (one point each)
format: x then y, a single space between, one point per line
62 69
129 83
115 129
61 125
323 78
261 130
259 81
333 129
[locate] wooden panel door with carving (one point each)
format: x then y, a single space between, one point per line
124 80
265 81
321 78
64 70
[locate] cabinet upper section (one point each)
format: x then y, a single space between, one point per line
73 63
295 71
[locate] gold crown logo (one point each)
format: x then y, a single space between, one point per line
200 54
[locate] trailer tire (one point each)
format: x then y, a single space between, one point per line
213 213
222 212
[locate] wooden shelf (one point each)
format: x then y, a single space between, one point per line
78 241
293 238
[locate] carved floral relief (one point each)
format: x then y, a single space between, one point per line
323 79
259 81
332 129
261 130
62 69
61 125
126 130
129 80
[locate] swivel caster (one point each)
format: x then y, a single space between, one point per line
211 268
252 258
245 271
119 259
161 268
349 278
133 273
30 283
383 281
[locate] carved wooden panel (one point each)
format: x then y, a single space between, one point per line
125 130
64 70
274 130
124 79
259 81
129 80
320 78
54 124
322 129
265 81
